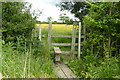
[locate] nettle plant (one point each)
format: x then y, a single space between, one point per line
37 46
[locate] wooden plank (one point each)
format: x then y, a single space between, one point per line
57 54
67 36
58 71
57 50
57 59
67 52
82 36
40 32
73 41
64 52
49 34
63 44
79 40
67 71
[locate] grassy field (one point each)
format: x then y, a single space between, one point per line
58 29
62 29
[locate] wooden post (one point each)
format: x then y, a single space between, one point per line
79 41
73 41
40 32
49 34
57 52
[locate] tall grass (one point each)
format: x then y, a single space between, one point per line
17 64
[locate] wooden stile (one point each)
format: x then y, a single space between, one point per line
57 52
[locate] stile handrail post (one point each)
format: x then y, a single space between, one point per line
73 41
79 40
49 34
40 32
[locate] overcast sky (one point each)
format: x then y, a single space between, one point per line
48 7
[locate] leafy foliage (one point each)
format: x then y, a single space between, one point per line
93 67
22 56
78 8
100 51
102 28
17 20
64 18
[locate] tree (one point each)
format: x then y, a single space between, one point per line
17 20
49 19
64 18
103 29
78 8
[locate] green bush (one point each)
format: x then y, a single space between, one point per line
91 67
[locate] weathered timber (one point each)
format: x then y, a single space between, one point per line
73 41
64 52
67 71
49 34
40 32
79 40
63 44
57 52
58 71
63 71
66 36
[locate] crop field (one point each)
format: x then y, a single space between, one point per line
62 29
57 29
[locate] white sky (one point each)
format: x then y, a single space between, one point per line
48 8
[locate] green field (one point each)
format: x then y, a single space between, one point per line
57 29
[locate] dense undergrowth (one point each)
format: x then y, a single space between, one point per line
93 67
26 64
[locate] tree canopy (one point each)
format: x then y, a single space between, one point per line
79 9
